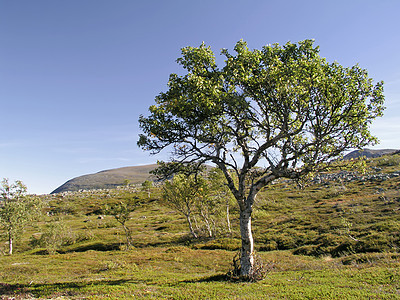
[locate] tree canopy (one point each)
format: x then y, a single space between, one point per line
283 108
285 105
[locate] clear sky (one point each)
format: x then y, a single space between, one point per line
75 75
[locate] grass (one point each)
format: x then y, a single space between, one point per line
327 241
182 273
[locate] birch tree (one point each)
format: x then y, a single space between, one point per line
16 209
121 211
181 194
284 109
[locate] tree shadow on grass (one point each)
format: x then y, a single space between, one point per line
212 278
96 247
185 240
20 291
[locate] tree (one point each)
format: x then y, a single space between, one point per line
219 193
126 182
16 209
121 211
181 194
194 192
56 234
282 111
146 186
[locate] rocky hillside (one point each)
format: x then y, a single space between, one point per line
107 179
368 153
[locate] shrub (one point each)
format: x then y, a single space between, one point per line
57 234
285 242
375 243
229 244
388 161
386 226
259 272
344 249
310 250
269 246
360 258
326 244
290 238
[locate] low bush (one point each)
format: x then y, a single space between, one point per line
259 272
388 161
95 246
229 244
309 250
377 242
361 258
55 235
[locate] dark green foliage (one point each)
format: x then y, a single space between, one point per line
388 160
230 244
55 235
95 246
371 258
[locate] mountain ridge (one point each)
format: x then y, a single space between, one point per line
369 153
107 179
112 178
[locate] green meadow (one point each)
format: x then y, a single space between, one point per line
334 238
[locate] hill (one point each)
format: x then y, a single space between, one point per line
107 179
368 153
113 178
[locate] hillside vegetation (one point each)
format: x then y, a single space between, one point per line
107 179
113 178
337 237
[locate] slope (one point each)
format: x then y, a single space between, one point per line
107 179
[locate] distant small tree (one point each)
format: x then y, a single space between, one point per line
220 194
126 182
56 234
121 211
16 209
181 194
146 186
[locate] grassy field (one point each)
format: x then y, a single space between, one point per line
335 239
183 273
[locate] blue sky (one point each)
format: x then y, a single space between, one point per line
76 75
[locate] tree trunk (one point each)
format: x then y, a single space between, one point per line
191 226
207 223
10 244
227 217
196 223
128 237
247 250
